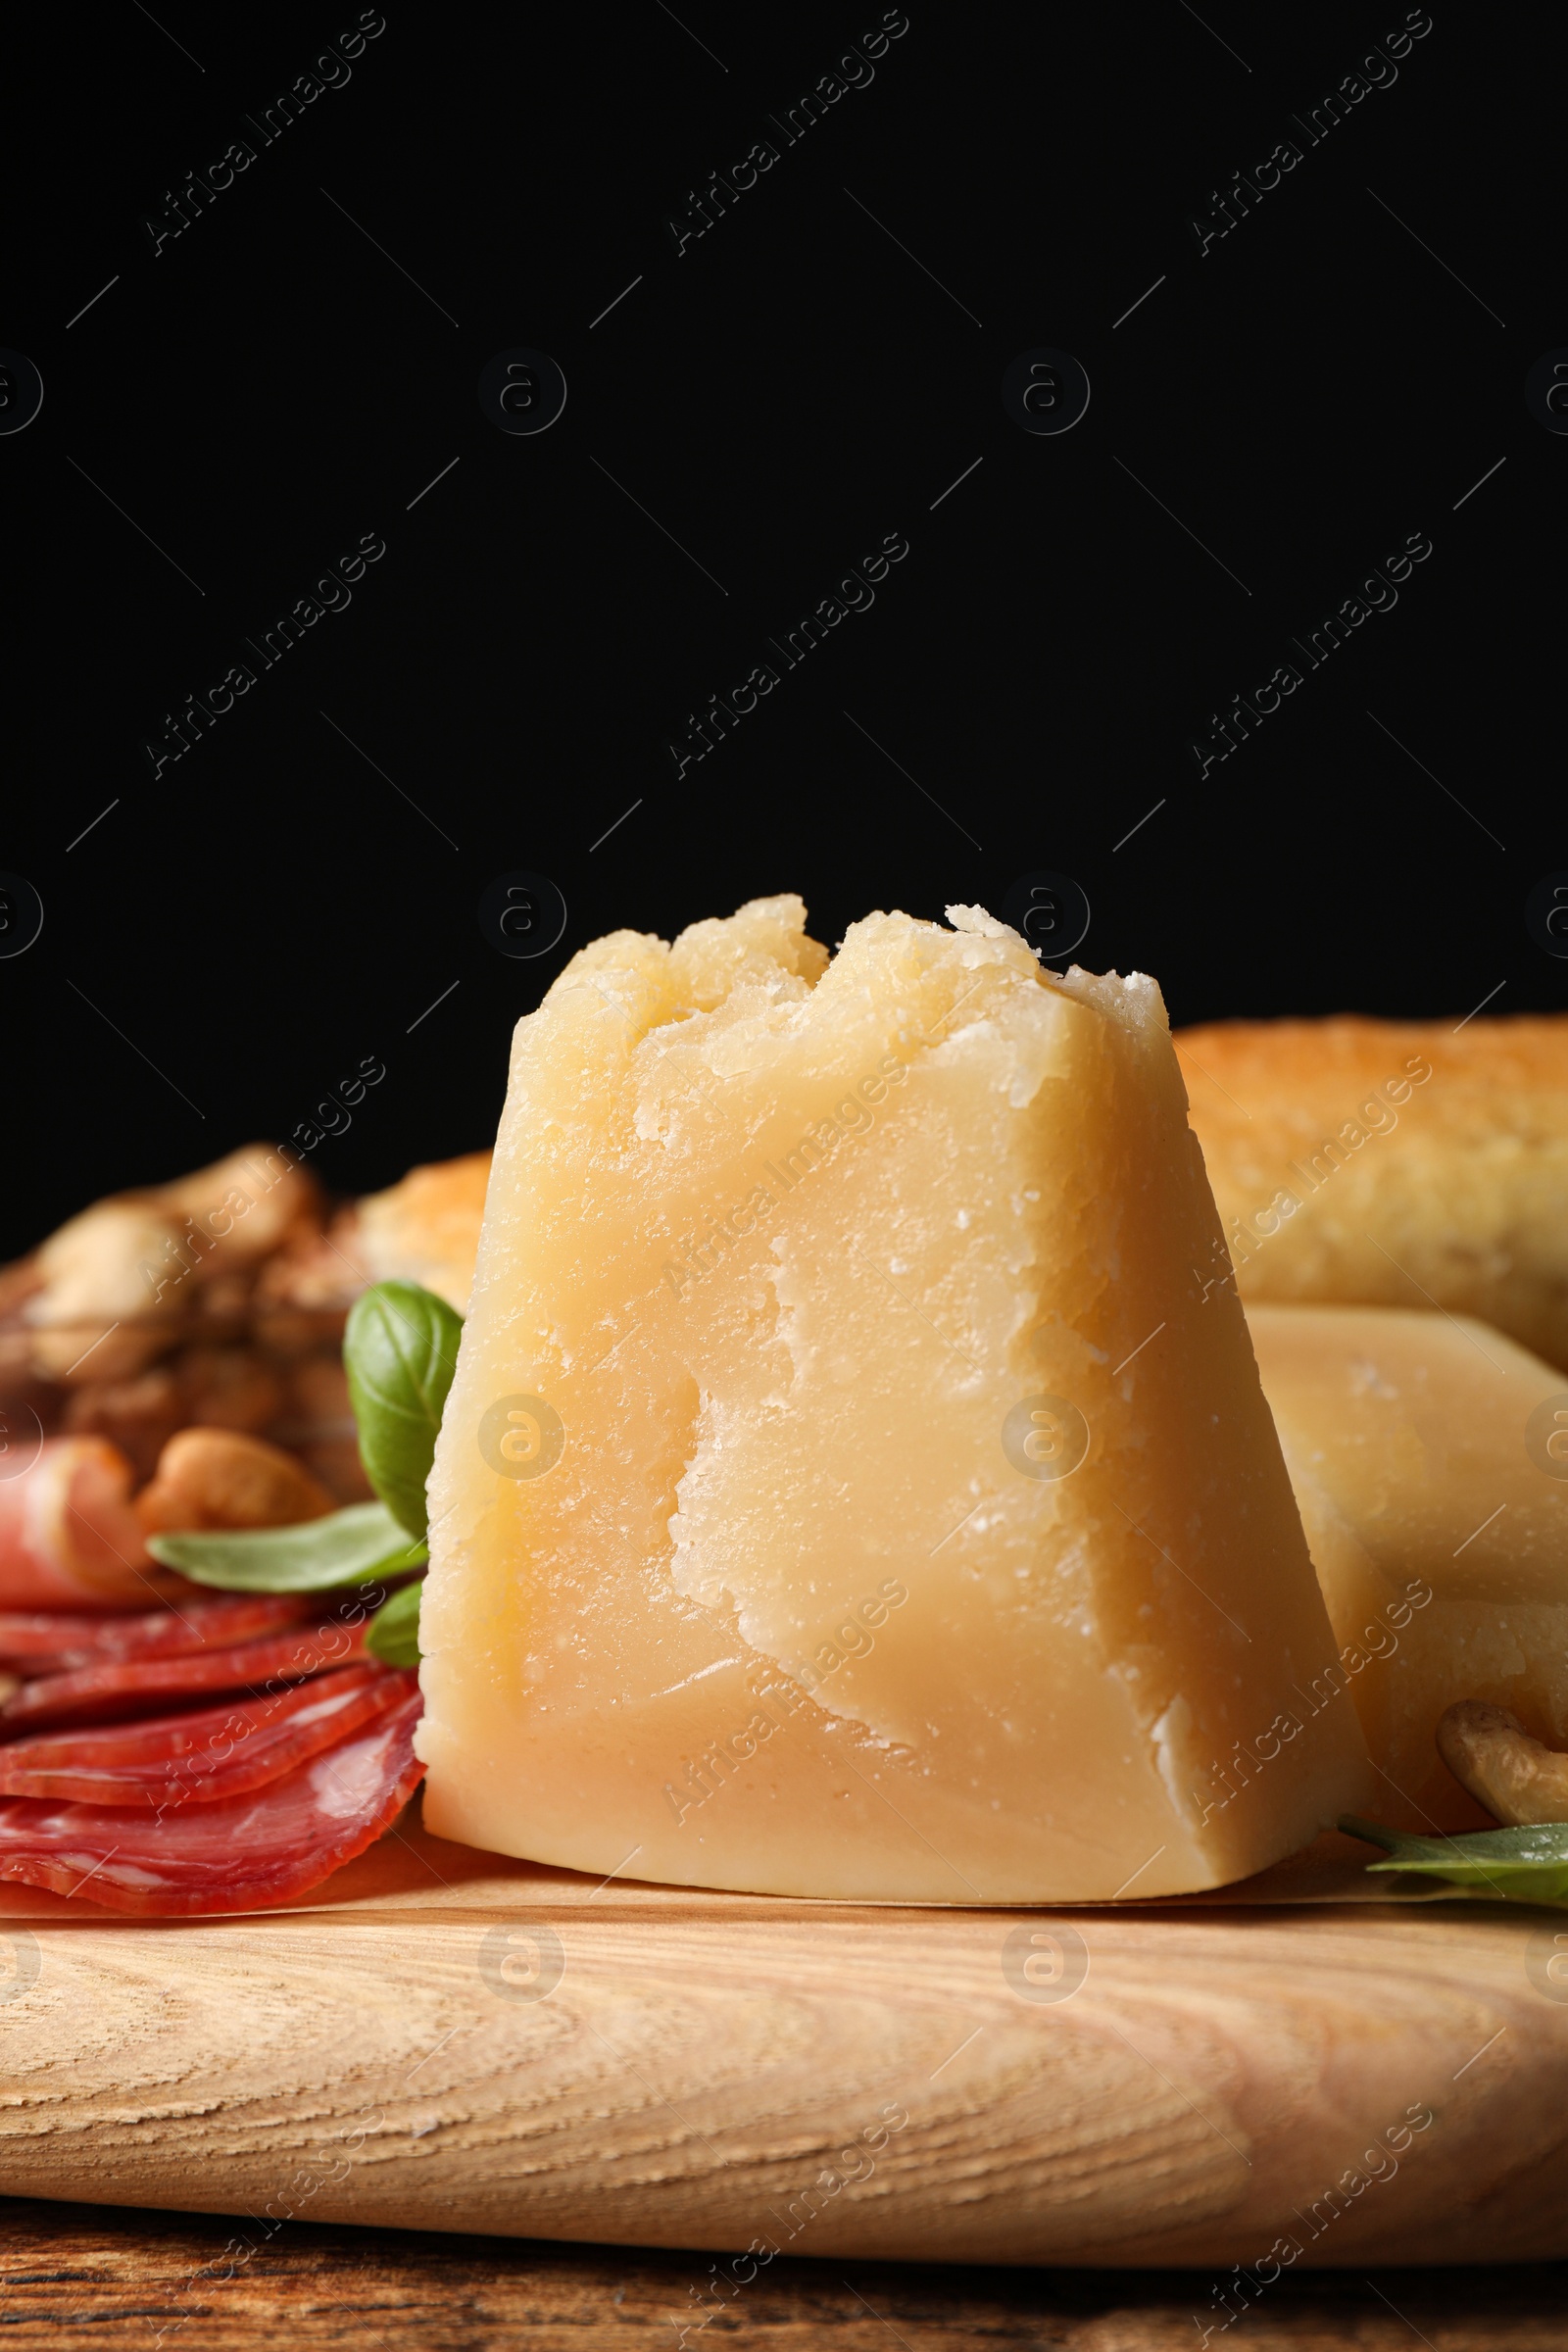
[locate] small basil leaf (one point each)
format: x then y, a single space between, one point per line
393 1633
346 1548
400 1351
1521 1865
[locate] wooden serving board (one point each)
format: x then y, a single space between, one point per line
442 2039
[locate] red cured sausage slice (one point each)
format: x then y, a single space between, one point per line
238 1853
217 1752
108 1692
39 1643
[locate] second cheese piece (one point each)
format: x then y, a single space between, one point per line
1429 1459
847 1490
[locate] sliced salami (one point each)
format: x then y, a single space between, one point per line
201 1758
56 1644
102 1694
238 1853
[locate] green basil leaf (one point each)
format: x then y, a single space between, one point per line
347 1547
400 1351
393 1633
1522 1865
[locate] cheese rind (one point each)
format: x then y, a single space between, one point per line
1429 1455
809 1282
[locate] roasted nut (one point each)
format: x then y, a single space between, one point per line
106 1292
320 1427
118 1263
18 1283
336 1463
218 1478
316 1273
1517 1778
319 1393
18 1374
139 1415
226 1298
242 1207
228 1387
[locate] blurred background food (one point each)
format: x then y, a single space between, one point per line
193 1330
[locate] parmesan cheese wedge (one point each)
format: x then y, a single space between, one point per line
847 1488
1429 1455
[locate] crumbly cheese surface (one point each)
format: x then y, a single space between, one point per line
851 1487
1429 1459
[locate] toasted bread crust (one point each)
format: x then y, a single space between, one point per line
1396 1163
426 1229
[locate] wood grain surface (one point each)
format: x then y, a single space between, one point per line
465 2045
83 2278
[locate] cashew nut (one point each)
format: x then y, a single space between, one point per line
249 1202
100 1304
214 1478
228 1387
114 1283
1517 1778
138 1415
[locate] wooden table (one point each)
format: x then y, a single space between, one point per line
86 2278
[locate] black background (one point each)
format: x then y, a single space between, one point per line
237 934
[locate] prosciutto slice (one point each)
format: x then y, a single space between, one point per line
55 1643
237 1853
106 1692
204 1756
68 1537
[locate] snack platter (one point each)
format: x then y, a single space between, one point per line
799 1865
